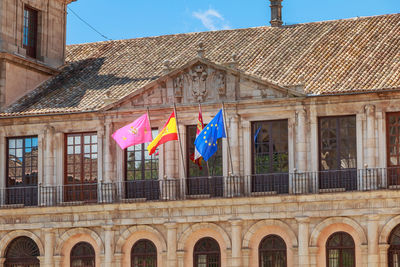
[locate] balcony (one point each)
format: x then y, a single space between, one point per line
297 183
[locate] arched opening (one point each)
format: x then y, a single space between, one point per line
394 249
340 250
83 255
144 254
22 252
272 252
207 253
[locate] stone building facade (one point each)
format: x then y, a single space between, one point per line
308 175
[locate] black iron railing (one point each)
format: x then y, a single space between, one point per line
296 183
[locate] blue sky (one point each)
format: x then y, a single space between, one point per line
125 19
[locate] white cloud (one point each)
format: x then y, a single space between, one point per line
212 19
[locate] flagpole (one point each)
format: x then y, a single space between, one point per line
208 168
180 143
151 129
227 137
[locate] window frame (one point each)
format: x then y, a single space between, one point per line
253 131
196 253
260 251
204 164
23 166
92 257
32 32
146 254
143 160
25 260
82 135
338 138
340 248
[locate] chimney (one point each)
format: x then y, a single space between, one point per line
276 13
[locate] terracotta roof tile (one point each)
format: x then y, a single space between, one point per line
351 55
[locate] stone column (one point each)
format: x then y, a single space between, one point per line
373 240
301 140
108 157
236 225
383 251
234 142
313 256
170 159
246 126
108 246
2 166
370 177
303 251
118 259
246 256
370 143
49 159
181 258
299 180
57 261
49 244
171 244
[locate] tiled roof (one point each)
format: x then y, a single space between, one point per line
350 55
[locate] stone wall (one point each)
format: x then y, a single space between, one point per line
239 225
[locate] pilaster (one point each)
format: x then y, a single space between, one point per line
301 141
49 158
370 142
236 225
171 244
108 246
373 240
108 155
303 250
383 251
181 258
49 244
234 142
2 161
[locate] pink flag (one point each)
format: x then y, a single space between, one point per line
138 132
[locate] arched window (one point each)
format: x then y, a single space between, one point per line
340 250
272 252
83 255
207 253
144 254
22 252
394 249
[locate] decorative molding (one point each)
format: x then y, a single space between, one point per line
219 81
179 84
369 109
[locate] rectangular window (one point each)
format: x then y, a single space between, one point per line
30 31
139 164
338 152
270 149
214 163
270 156
208 179
81 167
141 172
22 170
393 145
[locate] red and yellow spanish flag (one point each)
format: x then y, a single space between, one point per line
168 133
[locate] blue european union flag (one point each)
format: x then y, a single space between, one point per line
207 141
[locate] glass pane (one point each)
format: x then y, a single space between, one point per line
270 151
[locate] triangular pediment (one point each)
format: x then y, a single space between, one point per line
203 81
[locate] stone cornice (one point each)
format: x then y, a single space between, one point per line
29 64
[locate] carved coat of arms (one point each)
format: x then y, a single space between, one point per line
197 82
